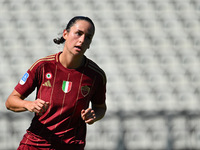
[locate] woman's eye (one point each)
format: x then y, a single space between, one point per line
78 33
89 37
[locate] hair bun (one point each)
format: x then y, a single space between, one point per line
59 40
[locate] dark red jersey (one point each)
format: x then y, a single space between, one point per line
68 91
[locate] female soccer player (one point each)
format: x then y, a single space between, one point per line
66 83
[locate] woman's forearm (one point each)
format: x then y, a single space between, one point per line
100 111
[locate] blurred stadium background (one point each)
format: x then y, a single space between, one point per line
149 49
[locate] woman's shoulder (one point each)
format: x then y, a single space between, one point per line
96 69
44 60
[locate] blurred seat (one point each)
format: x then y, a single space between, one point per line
104 136
179 132
6 133
135 137
157 131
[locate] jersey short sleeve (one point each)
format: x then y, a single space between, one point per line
29 81
99 95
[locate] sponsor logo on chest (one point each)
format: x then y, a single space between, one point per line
47 84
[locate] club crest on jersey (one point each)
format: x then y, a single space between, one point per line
24 78
48 75
85 90
66 86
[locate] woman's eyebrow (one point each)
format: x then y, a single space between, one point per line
88 34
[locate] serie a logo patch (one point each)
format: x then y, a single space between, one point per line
24 78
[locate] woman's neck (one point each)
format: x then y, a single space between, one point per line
70 61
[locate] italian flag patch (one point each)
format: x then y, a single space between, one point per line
66 86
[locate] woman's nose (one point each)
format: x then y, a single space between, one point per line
82 39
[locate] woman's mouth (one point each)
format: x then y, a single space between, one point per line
78 47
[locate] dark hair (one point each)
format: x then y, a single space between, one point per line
70 24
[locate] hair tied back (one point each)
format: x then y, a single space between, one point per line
59 40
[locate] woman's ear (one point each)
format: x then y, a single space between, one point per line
65 33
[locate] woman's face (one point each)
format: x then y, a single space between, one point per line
79 37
